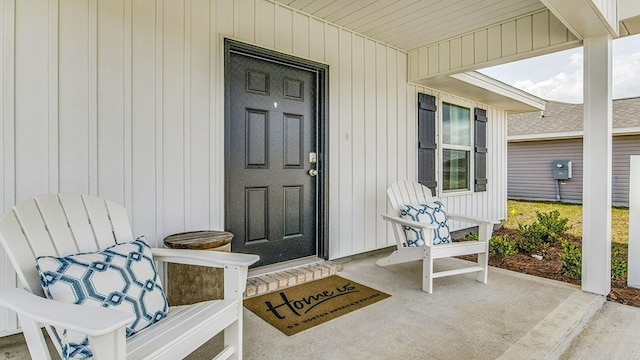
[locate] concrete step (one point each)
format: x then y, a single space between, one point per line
273 281
551 337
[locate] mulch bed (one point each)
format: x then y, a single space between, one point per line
550 267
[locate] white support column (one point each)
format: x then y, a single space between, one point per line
596 213
633 275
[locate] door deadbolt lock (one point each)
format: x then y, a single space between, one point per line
313 157
313 172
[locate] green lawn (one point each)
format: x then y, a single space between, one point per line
524 212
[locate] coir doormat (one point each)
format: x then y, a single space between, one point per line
303 306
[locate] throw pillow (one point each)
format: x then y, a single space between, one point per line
433 214
123 277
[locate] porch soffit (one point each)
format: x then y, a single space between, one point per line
412 24
630 26
589 18
629 15
447 37
486 90
586 18
446 40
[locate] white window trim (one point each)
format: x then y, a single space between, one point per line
440 135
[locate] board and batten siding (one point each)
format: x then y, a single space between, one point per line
529 169
511 40
124 99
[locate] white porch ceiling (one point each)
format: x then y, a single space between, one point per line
445 38
411 24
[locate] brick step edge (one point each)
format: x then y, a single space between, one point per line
266 283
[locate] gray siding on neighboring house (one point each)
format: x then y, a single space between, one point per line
529 169
535 139
623 148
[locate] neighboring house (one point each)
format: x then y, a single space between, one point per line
536 139
215 114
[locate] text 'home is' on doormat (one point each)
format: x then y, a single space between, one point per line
301 307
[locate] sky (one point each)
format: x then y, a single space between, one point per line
558 76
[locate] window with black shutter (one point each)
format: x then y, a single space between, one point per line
427 141
480 133
457 153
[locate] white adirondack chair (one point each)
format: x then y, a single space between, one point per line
404 193
64 224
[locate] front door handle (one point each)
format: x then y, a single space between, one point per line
313 172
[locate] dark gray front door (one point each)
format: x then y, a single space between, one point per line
270 146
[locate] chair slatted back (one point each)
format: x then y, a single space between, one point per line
407 192
59 225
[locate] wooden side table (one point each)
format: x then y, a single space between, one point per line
188 284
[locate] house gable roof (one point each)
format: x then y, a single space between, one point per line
564 120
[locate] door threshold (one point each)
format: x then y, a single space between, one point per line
267 269
291 273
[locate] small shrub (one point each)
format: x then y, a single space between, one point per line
530 245
471 237
534 232
572 258
501 247
549 227
618 262
571 255
555 225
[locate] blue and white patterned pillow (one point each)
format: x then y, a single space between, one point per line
432 214
123 277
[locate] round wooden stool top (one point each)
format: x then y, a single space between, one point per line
198 240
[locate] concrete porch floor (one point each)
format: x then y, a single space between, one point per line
514 316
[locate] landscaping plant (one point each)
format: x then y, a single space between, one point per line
537 228
501 247
554 225
549 227
618 261
571 255
530 246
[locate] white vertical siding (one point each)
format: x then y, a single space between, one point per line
124 99
608 10
370 209
8 321
344 149
358 127
382 169
73 97
513 39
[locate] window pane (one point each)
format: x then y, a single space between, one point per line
455 175
456 125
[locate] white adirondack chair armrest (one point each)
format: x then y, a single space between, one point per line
472 220
216 259
89 320
405 222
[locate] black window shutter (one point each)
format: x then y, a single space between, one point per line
480 120
427 141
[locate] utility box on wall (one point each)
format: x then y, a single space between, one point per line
561 169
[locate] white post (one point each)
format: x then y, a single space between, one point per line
633 274
596 213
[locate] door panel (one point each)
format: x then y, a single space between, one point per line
270 131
